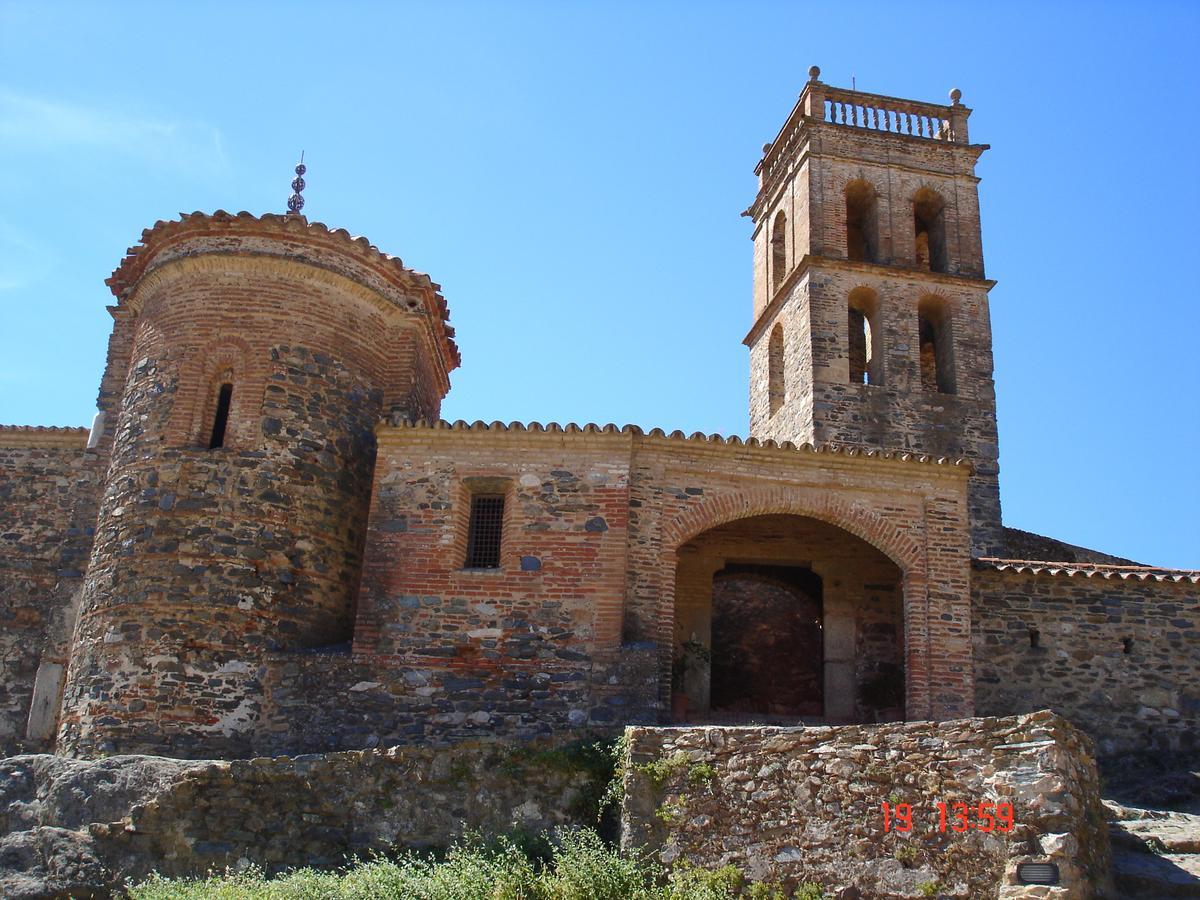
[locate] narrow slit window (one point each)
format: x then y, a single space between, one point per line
860 346
221 419
484 532
929 360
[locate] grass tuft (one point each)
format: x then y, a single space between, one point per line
579 866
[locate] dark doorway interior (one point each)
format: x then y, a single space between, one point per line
767 643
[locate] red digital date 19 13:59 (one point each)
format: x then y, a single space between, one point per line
983 816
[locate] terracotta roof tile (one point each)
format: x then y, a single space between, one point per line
1089 570
50 429
43 436
138 257
698 436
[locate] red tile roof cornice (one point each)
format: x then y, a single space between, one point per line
1089 570
480 426
164 234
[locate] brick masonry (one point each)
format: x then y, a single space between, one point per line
609 517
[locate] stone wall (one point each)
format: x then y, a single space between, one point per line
796 805
70 827
322 702
48 490
1113 649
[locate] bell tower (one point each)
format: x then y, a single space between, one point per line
871 323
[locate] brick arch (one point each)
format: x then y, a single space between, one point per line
864 286
877 182
925 186
905 551
824 506
198 376
945 301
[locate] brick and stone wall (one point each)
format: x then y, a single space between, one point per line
243 549
1113 649
595 524
48 490
805 177
575 631
207 559
801 805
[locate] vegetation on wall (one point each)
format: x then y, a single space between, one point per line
578 866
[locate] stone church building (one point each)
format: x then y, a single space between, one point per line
270 543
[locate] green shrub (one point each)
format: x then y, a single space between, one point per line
578 866
760 890
671 811
659 770
248 885
583 867
691 883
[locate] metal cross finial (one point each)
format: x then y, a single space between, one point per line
296 202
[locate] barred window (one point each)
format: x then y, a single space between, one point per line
483 535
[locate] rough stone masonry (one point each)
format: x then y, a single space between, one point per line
793 806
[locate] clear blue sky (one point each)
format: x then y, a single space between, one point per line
572 174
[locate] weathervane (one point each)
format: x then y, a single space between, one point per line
296 202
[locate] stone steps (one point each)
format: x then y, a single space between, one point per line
1156 853
1147 875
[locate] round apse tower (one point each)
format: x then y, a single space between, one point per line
251 359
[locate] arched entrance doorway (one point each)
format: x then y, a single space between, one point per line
784 618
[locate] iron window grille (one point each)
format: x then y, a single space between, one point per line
484 532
